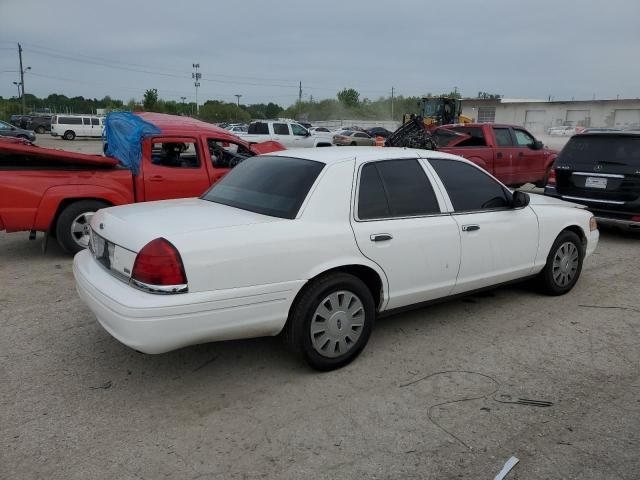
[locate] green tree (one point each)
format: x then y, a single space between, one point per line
150 99
349 97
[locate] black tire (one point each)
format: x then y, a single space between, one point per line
65 221
69 135
40 130
353 144
543 183
298 328
560 278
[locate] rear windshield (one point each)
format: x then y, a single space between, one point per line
590 150
274 186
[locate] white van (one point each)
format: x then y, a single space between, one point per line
72 126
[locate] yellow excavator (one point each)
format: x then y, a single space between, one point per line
436 111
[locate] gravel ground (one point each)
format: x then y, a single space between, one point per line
423 401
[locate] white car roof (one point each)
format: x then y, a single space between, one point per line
332 155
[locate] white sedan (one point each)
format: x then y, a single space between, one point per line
316 243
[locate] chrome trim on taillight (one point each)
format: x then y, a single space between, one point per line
159 289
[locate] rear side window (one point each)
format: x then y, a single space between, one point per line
610 150
477 136
468 187
95 121
70 120
86 121
274 186
503 137
280 129
395 188
259 128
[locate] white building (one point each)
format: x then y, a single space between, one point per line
539 115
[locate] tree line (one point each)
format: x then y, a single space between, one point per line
348 104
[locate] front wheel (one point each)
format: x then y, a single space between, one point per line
69 135
564 264
330 323
72 226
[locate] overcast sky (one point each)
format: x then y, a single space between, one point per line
261 49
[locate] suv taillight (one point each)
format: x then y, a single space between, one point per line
551 179
158 268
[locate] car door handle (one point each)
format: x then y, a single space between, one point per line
380 237
157 178
470 228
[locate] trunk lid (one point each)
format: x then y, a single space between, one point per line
133 226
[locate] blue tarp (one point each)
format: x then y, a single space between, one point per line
123 134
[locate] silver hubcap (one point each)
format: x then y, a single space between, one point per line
337 324
565 264
80 229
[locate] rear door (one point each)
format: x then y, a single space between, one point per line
498 243
173 167
282 134
400 223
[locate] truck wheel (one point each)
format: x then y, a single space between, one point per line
72 227
69 135
40 130
331 321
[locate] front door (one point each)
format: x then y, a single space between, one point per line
173 168
498 243
528 162
399 224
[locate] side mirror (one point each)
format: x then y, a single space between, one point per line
307 133
520 199
537 145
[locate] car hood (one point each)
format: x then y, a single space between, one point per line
537 199
133 226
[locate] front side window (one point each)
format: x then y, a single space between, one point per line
226 154
280 129
274 186
523 139
175 155
395 188
469 188
86 121
298 129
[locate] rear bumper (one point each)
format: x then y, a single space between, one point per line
161 323
619 215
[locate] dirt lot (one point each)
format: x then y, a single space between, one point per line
425 400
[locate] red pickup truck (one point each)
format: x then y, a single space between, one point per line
58 191
508 152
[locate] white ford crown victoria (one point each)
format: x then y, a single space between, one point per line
316 244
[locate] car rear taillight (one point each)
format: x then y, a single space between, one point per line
158 268
635 218
551 179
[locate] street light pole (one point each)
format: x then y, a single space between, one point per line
196 76
238 95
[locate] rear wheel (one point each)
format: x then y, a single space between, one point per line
353 144
69 135
40 130
331 321
72 226
564 264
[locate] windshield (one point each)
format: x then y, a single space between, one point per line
590 150
274 186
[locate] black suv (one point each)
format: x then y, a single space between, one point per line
601 170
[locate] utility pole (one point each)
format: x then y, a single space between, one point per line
392 91
22 70
238 95
196 76
300 93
